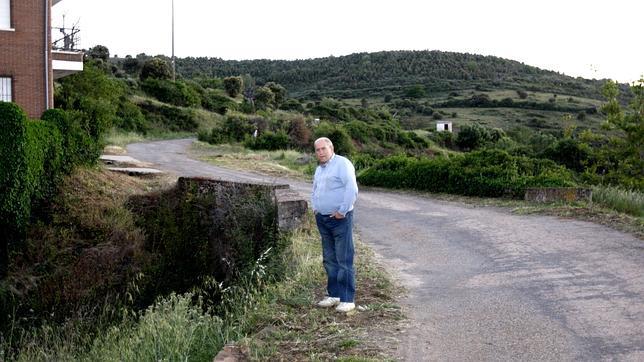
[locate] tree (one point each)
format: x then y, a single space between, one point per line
415 91
131 65
264 98
471 137
278 91
155 68
628 149
233 86
98 52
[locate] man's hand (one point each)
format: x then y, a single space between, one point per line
337 215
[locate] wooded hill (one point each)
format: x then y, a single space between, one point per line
392 72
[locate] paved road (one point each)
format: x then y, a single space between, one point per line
485 284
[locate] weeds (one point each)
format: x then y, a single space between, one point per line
619 199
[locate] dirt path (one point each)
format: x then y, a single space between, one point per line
485 284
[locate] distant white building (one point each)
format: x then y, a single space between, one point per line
442 126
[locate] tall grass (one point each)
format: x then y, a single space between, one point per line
174 329
188 326
619 199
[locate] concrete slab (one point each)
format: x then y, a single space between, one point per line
123 161
137 171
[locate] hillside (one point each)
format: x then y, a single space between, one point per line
390 72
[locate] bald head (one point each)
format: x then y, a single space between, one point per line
323 149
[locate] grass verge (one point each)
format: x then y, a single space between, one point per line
283 163
289 327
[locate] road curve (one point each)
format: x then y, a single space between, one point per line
485 284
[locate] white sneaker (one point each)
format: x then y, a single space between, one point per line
329 302
345 307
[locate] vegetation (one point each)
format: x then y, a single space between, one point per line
516 127
94 247
393 72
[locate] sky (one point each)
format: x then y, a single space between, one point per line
591 38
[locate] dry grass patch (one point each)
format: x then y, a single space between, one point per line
291 328
283 163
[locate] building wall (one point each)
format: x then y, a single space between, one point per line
22 55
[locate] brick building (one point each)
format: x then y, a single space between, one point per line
28 65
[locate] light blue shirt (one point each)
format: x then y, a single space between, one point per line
334 187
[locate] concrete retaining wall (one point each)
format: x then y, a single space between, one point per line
553 194
291 208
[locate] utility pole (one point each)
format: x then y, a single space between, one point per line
174 78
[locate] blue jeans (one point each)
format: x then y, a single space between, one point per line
337 255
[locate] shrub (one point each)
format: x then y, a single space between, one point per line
292 105
471 137
33 160
341 140
175 93
264 98
482 173
14 190
233 86
130 118
98 52
269 141
155 68
300 134
415 91
279 93
168 117
571 153
443 139
214 102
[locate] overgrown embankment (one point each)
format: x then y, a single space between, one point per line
111 246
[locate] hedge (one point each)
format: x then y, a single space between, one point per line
492 173
34 155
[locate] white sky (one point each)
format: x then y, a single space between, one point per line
591 38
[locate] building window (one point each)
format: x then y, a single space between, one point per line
5 89
5 14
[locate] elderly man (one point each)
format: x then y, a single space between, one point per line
334 192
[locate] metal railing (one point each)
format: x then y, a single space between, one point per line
70 40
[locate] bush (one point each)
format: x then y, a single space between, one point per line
482 173
175 93
130 118
214 102
300 134
268 141
471 137
342 143
35 154
168 117
443 139
233 86
79 147
155 68
571 153
292 105
14 189
94 94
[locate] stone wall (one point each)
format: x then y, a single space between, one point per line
554 194
291 207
